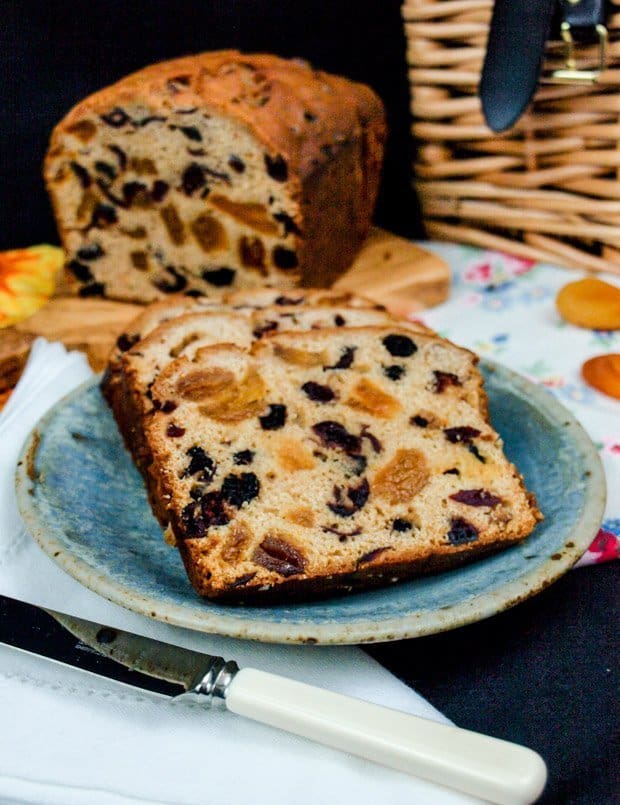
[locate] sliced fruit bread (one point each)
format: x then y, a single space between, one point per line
326 460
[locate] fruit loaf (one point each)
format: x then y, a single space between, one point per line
215 171
306 466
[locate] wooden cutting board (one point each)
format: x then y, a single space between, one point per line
388 269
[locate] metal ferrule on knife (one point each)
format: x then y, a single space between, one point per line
211 686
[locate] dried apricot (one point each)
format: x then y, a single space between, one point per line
590 303
366 396
205 383
240 402
603 374
237 541
255 216
293 455
299 357
401 479
173 223
302 516
209 233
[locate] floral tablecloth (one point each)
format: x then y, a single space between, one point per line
503 308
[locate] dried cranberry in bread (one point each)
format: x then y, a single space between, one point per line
215 171
304 467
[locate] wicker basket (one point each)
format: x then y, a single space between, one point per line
549 188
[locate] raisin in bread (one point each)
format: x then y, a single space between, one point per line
214 171
303 467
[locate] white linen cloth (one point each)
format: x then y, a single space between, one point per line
67 737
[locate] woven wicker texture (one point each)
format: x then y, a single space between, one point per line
549 188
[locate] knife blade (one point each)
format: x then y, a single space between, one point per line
482 766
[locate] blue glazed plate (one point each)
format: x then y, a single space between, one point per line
84 502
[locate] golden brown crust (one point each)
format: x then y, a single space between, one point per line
338 583
238 84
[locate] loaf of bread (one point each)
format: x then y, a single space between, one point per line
325 460
216 171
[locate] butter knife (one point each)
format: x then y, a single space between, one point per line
486 767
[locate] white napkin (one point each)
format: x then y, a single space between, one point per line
76 738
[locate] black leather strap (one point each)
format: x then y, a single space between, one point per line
517 36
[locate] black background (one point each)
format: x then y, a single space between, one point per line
543 674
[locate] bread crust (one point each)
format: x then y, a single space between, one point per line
352 580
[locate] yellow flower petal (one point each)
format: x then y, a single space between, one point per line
27 280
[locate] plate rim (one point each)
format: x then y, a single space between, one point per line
407 626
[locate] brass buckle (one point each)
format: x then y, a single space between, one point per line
570 74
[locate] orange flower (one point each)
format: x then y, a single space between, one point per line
27 280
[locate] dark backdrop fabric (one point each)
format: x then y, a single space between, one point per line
54 53
543 674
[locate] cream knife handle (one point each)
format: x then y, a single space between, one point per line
485 767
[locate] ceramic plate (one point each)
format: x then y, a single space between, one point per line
84 502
